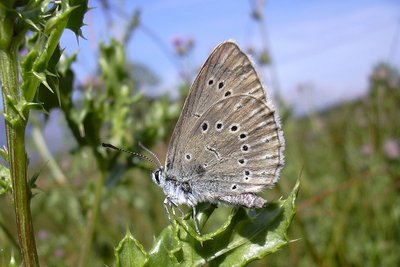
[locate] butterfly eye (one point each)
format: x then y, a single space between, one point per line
156 176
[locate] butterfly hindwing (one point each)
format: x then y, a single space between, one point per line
236 144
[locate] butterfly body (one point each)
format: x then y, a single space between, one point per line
227 144
179 191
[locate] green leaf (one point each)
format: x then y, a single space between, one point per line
43 46
6 27
65 63
130 252
245 237
32 180
166 249
75 21
4 153
51 98
41 76
17 108
5 180
254 238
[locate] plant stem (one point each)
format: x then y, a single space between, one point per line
17 156
45 153
92 220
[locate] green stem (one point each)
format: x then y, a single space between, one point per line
92 221
17 156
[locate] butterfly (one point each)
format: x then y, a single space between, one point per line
228 143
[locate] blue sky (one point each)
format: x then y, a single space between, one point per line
327 47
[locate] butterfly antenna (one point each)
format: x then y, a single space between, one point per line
133 153
151 153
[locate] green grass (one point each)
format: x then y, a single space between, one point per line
347 212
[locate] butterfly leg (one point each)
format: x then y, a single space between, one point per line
196 223
169 203
181 211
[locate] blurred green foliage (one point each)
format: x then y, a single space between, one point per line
109 108
349 155
347 158
37 27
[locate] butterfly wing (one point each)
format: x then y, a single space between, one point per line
226 72
236 147
228 140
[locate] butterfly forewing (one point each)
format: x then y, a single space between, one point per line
226 72
228 139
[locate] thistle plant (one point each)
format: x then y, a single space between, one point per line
36 74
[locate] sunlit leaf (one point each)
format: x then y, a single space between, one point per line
165 251
129 252
244 238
